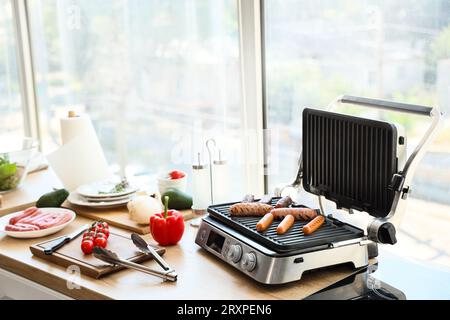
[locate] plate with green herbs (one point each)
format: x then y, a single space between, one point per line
106 189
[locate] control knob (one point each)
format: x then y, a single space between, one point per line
235 253
248 262
386 233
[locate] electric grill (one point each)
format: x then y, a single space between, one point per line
360 164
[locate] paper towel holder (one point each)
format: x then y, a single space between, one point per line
72 114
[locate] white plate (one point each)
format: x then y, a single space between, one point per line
37 233
92 190
77 199
96 199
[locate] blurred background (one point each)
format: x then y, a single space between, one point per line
160 77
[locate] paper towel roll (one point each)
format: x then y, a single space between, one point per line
72 127
80 159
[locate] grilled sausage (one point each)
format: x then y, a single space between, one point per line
313 225
284 202
285 224
26 213
298 213
265 222
251 209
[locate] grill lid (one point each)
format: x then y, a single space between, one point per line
349 160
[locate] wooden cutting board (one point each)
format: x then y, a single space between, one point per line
71 254
118 217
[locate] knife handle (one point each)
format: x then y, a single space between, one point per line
53 248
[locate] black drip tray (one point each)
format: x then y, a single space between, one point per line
293 240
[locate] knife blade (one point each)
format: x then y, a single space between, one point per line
58 243
142 245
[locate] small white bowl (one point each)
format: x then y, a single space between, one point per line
165 183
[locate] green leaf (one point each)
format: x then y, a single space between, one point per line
7 170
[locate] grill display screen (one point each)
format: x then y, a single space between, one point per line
215 241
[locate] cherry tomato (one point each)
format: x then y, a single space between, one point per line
88 234
88 238
176 174
96 235
100 234
100 242
105 225
105 232
87 246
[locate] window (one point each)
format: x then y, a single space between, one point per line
157 77
397 50
11 118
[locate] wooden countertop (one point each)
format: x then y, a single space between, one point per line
200 274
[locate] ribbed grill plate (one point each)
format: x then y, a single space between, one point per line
349 160
294 239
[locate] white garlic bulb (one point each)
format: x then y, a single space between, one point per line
142 207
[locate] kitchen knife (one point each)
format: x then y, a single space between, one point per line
58 243
147 249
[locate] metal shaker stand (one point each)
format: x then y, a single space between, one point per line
210 145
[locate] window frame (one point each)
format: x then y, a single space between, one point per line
26 69
250 16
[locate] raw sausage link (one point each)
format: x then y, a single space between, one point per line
265 222
313 225
24 225
67 217
34 215
284 202
254 209
49 221
302 214
55 221
38 219
285 224
11 227
26 213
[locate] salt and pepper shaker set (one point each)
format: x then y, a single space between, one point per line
210 181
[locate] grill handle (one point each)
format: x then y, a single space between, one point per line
387 105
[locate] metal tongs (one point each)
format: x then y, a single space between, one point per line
108 256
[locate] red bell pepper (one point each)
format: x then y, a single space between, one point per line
167 227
